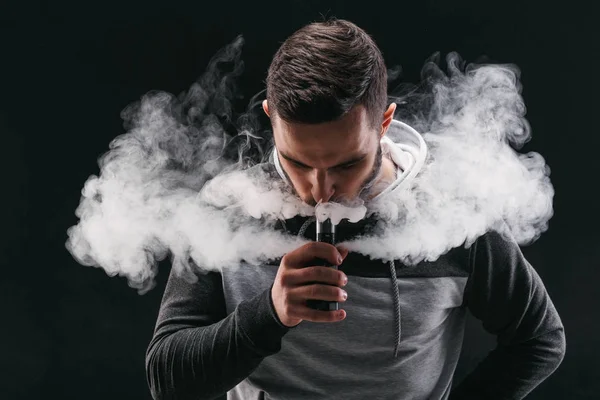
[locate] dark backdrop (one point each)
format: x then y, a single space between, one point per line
68 69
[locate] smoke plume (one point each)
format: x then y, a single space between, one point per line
184 180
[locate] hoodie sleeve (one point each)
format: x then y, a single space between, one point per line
508 296
197 350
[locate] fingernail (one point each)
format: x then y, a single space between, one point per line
345 280
340 259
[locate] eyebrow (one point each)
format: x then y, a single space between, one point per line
353 160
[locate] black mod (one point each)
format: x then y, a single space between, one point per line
325 233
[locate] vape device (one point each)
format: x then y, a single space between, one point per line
325 233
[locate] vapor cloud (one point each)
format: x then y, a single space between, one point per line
183 181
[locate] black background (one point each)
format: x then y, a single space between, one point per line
69 68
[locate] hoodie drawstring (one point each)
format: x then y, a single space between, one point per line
305 225
394 288
396 306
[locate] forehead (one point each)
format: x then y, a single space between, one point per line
349 134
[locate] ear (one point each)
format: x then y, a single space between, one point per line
388 116
265 107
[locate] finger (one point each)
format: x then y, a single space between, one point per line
306 254
298 308
317 292
319 274
343 251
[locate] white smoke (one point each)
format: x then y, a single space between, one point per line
337 212
179 181
473 180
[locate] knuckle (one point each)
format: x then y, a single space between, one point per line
324 274
310 273
285 259
321 273
285 279
287 308
304 274
314 291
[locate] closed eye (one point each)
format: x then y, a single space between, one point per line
302 166
341 167
348 166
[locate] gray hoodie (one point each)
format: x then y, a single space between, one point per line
220 338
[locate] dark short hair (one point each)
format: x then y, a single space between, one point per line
325 69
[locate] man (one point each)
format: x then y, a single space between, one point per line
248 333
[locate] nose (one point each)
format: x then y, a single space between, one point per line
322 186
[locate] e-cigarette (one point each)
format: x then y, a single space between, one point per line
325 233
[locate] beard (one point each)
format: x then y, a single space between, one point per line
367 187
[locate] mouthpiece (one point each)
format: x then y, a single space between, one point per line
326 231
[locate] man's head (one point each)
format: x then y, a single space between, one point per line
326 98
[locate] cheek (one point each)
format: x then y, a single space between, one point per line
352 180
300 181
